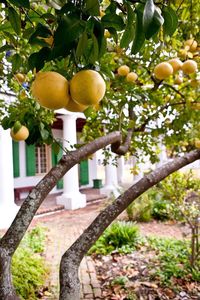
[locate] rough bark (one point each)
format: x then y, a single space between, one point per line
6 286
74 255
15 233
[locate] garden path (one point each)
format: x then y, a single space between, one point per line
63 227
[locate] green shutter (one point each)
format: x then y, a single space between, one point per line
55 158
15 150
84 174
30 160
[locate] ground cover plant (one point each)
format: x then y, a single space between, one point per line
29 269
159 267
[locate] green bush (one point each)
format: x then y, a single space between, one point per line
29 271
161 210
173 260
121 236
140 209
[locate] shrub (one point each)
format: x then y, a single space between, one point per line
121 236
173 258
28 266
140 209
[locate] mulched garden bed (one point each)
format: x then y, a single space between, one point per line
132 277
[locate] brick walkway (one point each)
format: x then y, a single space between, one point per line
62 230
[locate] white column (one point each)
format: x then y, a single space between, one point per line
92 169
120 169
8 208
111 186
71 197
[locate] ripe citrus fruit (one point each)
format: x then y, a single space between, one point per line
189 66
74 106
163 70
51 90
123 70
191 44
176 64
131 77
21 135
20 77
87 87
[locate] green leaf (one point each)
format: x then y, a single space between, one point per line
156 23
82 44
113 21
139 37
170 21
6 48
94 50
16 62
148 14
14 19
20 3
56 148
92 7
70 27
129 30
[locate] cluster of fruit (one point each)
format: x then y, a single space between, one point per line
164 69
125 71
53 91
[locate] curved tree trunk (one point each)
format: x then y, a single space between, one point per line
11 239
73 256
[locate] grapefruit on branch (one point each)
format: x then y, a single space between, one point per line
51 90
163 70
21 135
74 106
87 87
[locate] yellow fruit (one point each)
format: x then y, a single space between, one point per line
192 44
195 83
74 106
20 77
163 70
197 144
189 66
87 87
123 70
51 90
131 77
178 80
176 64
21 135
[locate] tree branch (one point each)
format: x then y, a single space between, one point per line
31 204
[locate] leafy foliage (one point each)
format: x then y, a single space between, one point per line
120 236
29 270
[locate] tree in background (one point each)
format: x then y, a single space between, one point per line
145 54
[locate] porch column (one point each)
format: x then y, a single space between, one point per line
92 169
120 169
8 208
111 186
71 197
